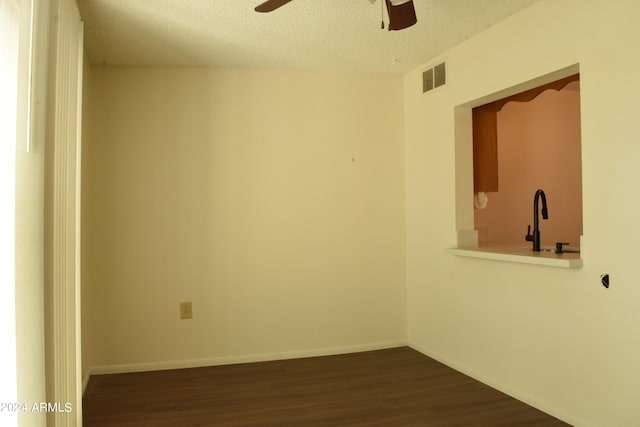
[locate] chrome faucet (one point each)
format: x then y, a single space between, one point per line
535 237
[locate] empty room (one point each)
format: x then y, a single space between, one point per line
282 213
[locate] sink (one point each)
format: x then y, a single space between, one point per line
568 249
565 249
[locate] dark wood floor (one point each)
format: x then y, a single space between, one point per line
394 387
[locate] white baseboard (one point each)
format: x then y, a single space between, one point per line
230 360
493 384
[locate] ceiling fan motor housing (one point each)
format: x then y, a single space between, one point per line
402 14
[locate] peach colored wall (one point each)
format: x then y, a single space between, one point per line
538 147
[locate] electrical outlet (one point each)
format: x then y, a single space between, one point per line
186 310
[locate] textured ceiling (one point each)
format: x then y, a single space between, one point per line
305 34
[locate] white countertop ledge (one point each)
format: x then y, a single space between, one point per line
521 255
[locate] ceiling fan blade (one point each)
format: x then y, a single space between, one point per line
271 5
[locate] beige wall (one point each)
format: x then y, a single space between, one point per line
271 199
553 337
237 190
538 147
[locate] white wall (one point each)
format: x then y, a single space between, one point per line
555 338
271 199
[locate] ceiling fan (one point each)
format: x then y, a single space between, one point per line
402 14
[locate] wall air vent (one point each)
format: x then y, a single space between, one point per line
427 80
434 77
439 75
